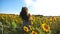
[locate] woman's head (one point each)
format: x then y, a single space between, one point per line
24 10
24 13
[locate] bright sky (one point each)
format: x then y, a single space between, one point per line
42 7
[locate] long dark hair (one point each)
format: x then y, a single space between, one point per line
24 14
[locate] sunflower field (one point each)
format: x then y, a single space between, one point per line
12 24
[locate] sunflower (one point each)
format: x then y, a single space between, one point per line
32 23
34 32
26 28
45 27
50 19
55 18
30 27
50 23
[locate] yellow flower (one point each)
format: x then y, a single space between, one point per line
54 18
34 32
31 23
30 27
50 23
45 27
3 18
25 28
51 19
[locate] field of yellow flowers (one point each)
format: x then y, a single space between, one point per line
11 24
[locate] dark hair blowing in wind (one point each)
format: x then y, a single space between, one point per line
24 13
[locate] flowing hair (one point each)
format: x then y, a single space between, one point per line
24 14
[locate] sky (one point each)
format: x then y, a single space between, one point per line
36 7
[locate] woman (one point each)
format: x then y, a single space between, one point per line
26 17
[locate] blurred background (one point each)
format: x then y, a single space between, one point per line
36 7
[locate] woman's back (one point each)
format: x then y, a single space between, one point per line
25 16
